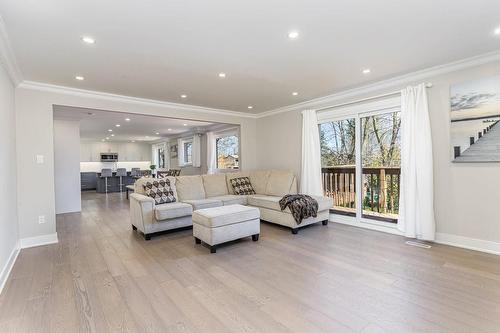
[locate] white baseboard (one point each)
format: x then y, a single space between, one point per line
4 275
38 241
468 243
441 238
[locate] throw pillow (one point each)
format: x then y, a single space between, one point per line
160 191
242 186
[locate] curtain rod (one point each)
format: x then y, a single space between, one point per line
427 85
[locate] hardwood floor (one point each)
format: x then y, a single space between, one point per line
102 277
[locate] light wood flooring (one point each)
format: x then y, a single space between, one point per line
102 277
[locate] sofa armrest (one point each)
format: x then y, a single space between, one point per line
141 211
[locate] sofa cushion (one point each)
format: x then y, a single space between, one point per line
172 210
231 199
215 185
220 216
160 190
139 185
204 203
242 186
259 180
189 188
233 175
279 183
273 202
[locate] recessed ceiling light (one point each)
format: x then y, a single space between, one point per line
222 75
88 40
169 129
184 124
107 138
293 34
157 133
250 107
497 31
133 140
127 119
295 93
79 78
110 130
184 96
117 125
112 135
366 71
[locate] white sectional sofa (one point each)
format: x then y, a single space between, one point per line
198 192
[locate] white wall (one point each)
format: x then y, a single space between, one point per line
9 235
34 125
465 195
67 166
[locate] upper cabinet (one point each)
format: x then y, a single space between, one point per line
127 151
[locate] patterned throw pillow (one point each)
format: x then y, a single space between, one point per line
160 190
242 186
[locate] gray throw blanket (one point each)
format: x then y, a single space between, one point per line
302 206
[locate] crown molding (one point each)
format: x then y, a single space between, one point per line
392 83
128 99
7 58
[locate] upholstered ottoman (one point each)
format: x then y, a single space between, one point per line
222 224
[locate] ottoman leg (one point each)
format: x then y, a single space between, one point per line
213 249
295 231
197 240
325 222
147 237
255 237
134 227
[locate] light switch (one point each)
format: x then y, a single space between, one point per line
39 159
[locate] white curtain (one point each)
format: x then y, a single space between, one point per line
310 176
416 208
211 158
180 152
196 151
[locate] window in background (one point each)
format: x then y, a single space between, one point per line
227 152
161 157
188 152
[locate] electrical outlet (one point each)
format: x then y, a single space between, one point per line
39 159
41 219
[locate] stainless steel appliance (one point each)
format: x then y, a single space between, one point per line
109 157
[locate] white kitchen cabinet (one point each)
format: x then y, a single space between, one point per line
127 151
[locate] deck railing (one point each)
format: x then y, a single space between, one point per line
380 188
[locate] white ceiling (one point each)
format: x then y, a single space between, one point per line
94 125
161 49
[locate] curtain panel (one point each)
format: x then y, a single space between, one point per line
416 202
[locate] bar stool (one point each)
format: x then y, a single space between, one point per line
135 172
121 172
106 173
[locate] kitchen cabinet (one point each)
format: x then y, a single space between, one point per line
127 151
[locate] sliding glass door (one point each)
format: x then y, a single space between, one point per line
338 159
381 158
360 155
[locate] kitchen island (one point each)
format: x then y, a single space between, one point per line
92 181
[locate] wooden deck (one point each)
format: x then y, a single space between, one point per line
485 149
102 277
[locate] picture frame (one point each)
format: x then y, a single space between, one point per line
474 121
